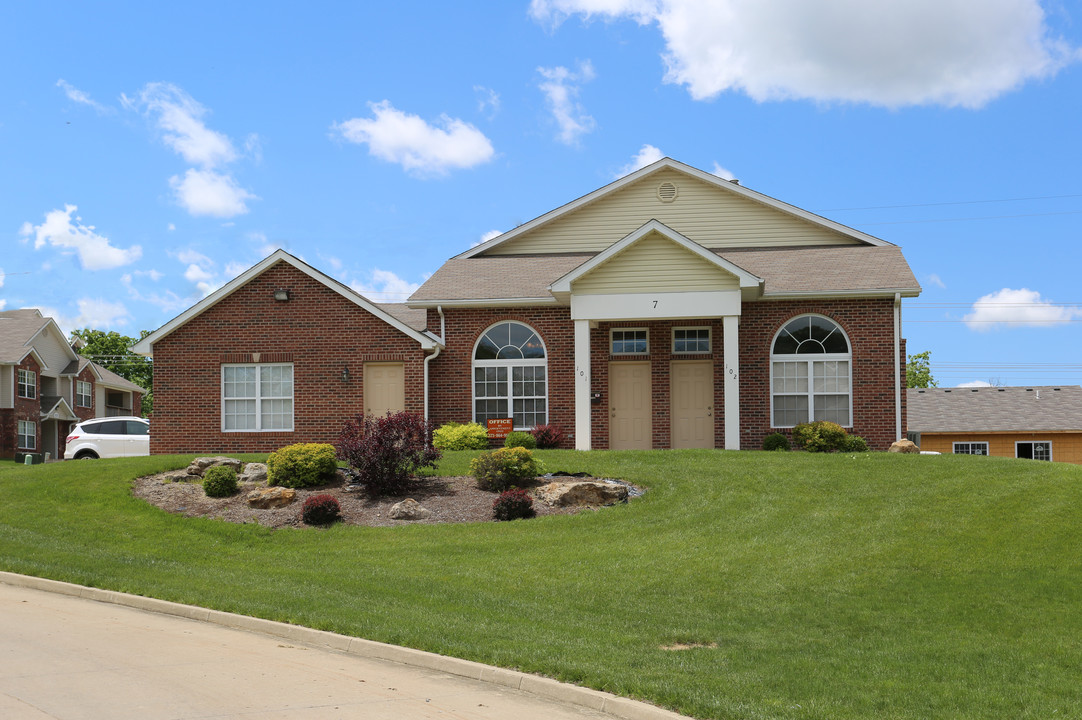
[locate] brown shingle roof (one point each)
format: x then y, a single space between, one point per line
995 409
503 276
16 329
415 318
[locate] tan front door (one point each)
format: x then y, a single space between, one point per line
630 426
384 388
692 404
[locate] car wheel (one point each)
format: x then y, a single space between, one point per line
86 455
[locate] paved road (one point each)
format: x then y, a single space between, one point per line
74 658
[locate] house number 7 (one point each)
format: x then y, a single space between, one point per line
655 303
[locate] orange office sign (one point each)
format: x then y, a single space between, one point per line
500 428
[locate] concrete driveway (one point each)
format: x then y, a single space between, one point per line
70 657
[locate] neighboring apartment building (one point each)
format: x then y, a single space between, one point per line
670 308
46 387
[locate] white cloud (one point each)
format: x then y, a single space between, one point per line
975 383
647 154
485 237
936 281
417 146
168 302
98 313
76 95
180 119
263 247
70 236
171 227
206 192
234 268
383 286
196 274
561 89
956 53
1018 308
488 102
188 256
722 173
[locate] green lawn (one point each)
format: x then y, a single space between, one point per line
834 586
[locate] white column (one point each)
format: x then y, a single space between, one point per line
582 384
731 349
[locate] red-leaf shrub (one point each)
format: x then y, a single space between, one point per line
513 504
548 436
320 510
385 452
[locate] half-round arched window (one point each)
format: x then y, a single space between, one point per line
810 373
509 376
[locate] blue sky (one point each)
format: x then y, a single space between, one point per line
153 151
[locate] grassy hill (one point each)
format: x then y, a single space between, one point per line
809 586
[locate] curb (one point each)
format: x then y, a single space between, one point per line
542 687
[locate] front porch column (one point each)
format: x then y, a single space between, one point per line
582 385
731 350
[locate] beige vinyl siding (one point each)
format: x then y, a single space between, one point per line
54 352
655 263
7 386
709 215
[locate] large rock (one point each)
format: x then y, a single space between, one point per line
904 446
559 494
409 509
272 497
253 473
200 465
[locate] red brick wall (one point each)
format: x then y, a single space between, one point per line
26 408
317 330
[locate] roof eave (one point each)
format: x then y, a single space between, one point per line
483 302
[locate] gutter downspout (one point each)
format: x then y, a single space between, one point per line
436 354
898 366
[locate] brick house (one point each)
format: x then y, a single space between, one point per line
46 387
670 308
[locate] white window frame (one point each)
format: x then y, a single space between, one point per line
30 383
259 398
970 445
509 364
626 353
697 328
89 394
809 361
27 429
1034 442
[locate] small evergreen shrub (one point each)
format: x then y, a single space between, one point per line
500 469
548 436
855 444
302 465
320 510
219 481
520 439
776 441
385 452
459 436
513 504
820 436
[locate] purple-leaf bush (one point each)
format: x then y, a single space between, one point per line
386 452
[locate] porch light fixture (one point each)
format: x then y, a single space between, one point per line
281 295
345 373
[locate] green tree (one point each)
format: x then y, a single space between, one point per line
918 371
113 352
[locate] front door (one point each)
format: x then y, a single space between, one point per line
384 388
630 426
692 404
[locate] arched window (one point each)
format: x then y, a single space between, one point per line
509 378
810 373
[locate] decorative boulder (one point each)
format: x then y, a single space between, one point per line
272 497
409 509
904 446
253 473
200 465
559 494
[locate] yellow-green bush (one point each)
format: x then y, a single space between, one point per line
500 469
458 436
302 465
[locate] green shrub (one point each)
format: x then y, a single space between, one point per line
520 439
458 436
302 465
513 504
776 441
219 481
820 436
320 510
855 444
500 469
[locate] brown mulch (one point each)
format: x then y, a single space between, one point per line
451 500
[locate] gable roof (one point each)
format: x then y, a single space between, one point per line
995 409
18 330
146 345
663 164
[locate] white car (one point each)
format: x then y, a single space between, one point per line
108 437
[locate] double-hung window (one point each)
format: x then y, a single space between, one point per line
1033 450
82 394
28 384
510 376
28 435
257 397
810 373
970 448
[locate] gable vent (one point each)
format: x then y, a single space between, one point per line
666 192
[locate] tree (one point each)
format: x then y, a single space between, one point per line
113 352
918 371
